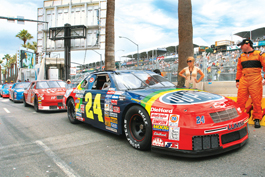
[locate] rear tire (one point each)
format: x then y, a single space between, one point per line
71 111
36 106
138 128
24 102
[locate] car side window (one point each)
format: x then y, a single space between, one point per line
99 82
32 86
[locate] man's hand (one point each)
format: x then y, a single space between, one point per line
237 84
196 81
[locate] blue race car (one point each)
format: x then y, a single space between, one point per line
153 113
5 90
17 91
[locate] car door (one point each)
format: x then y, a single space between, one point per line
30 97
93 100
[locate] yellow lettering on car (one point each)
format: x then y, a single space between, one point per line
88 99
96 107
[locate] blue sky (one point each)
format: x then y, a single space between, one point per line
149 23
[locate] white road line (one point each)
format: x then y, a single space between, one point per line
5 100
6 110
59 162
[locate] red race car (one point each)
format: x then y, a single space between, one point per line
45 95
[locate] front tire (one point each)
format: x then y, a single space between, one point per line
138 128
24 102
71 111
36 106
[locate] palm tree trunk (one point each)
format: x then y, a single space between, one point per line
110 37
185 48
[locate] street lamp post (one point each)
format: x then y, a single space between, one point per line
137 49
100 59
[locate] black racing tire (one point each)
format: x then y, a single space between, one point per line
71 111
36 105
24 102
138 128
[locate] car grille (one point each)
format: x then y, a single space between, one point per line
205 142
60 104
225 115
53 107
59 97
237 135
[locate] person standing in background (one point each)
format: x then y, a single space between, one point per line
249 80
191 74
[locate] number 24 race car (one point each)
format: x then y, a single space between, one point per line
153 113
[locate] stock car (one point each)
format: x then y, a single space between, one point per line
5 90
154 114
17 91
45 95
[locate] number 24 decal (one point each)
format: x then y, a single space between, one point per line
200 120
96 106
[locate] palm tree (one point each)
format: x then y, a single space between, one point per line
24 36
110 37
185 48
7 57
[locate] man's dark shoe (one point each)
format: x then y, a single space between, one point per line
256 124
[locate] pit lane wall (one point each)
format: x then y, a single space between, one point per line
228 89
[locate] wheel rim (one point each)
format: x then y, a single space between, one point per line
71 109
137 127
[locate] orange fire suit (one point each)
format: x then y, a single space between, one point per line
250 80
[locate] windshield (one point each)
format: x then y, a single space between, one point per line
138 80
49 84
7 86
22 85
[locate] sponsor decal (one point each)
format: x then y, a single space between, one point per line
173 120
200 120
173 133
77 101
107 121
122 98
138 101
91 80
82 108
159 116
119 92
115 97
107 100
107 114
107 107
111 129
235 125
160 128
111 92
116 109
79 95
52 98
111 108
239 110
188 97
108 96
153 109
114 120
159 121
114 102
171 145
111 88
160 134
79 91
158 142
219 105
39 98
80 118
78 114
113 115
113 125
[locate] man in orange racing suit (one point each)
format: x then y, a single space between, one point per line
249 79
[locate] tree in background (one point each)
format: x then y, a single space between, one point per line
24 36
185 30
110 37
1 61
7 57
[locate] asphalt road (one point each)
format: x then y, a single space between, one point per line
47 144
